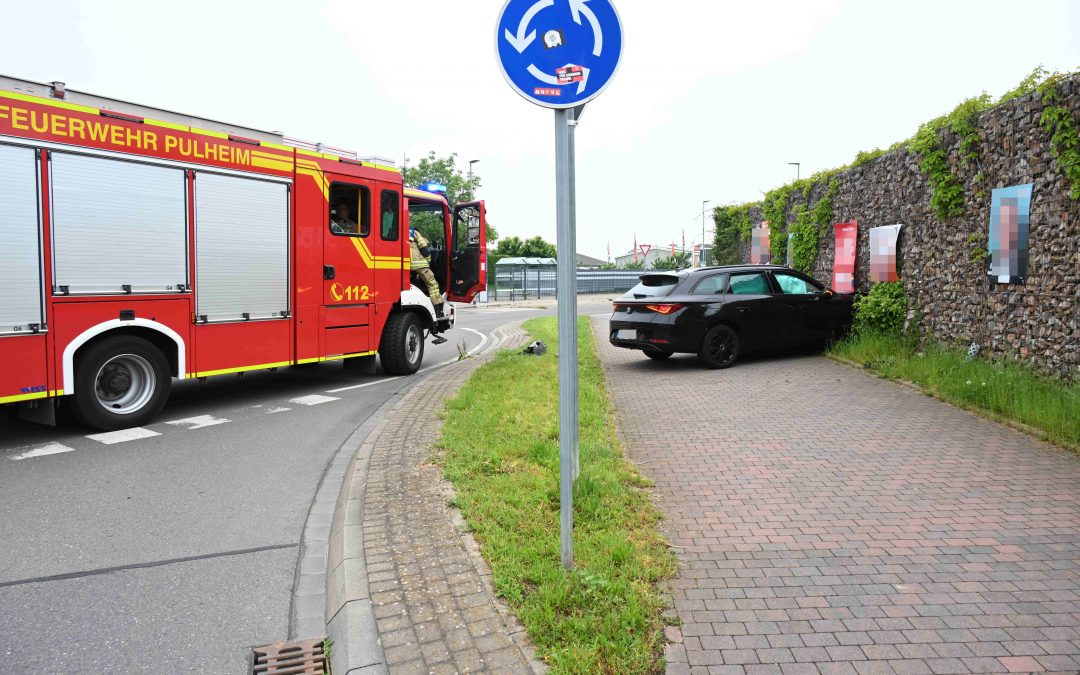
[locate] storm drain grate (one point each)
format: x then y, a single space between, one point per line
290 658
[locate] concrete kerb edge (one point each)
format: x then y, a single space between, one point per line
306 621
350 617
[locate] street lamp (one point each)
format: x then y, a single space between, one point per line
703 203
471 162
796 165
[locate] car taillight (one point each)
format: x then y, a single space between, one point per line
664 309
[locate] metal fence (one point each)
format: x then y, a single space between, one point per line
607 281
516 283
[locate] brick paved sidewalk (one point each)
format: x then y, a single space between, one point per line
829 521
431 591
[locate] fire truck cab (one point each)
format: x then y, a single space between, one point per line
142 245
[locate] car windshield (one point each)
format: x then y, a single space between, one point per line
653 286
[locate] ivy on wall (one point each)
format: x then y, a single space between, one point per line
947 194
732 227
948 198
946 191
775 210
1060 122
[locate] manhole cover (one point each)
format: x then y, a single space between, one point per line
290 658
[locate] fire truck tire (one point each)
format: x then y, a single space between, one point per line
402 348
121 382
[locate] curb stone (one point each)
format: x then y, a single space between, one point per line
307 609
407 589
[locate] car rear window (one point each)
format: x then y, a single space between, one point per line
654 286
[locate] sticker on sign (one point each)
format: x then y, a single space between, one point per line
570 74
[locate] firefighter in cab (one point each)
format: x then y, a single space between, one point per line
420 261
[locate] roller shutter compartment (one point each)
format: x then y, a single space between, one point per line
118 226
241 248
20 242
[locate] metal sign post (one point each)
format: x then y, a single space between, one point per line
572 63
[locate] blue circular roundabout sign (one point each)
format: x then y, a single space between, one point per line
559 53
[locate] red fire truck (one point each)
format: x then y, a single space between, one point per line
139 245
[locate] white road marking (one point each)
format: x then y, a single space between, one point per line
43 450
277 410
314 399
483 341
200 421
361 386
123 435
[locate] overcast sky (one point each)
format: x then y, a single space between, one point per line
711 100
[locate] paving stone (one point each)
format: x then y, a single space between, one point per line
433 609
893 522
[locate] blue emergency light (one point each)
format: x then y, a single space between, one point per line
434 187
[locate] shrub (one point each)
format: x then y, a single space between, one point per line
882 310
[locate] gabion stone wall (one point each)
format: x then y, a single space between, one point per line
952 298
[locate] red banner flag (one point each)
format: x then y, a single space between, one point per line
844 260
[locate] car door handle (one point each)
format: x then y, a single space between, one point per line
328 272
743 309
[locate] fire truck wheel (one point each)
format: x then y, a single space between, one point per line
121 382
402 348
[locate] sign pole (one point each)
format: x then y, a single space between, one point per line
562 56
568 354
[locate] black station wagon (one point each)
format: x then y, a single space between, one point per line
719 313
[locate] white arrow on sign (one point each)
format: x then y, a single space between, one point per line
542 76
520 42
577 8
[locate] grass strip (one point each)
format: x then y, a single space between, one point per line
1006 391
501 451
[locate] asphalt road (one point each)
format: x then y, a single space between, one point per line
174 549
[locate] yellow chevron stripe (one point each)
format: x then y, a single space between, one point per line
320 180
276 164
269 155
362 249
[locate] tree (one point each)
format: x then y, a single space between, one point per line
636 265
680 260
514 247
459 189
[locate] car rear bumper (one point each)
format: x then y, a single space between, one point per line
644 336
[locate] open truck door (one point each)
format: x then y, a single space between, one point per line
468 252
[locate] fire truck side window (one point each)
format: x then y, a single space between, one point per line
350 210
391 205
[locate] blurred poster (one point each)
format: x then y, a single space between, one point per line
760 253
843 278
883 253
1009 223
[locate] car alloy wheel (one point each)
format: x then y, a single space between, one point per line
720 348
